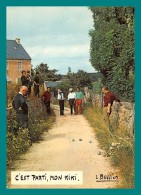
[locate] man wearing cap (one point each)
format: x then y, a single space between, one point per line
71 99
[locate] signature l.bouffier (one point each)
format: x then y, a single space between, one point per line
106 178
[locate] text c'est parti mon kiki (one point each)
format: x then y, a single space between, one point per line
49 177
44 177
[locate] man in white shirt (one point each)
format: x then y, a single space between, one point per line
71 99
61 101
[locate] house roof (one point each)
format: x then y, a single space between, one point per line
15 51
52 83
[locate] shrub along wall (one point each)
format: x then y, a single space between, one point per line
122 117
18 139
118 144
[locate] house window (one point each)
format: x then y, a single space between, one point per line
7 66
19 66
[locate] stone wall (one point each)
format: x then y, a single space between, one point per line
36 108
122 117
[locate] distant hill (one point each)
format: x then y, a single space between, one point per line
93 76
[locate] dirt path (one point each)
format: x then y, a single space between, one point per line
69 146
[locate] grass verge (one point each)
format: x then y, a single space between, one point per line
117 146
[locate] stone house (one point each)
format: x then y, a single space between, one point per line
17 60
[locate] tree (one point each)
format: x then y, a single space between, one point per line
45 73
112 48
72 80
82 78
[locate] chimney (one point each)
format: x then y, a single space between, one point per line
17 40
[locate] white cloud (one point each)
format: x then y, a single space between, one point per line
71 51
54 35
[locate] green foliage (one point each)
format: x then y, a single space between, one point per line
117 146
81 79
19 139
121 155
45 73
17 144
37 127
97 87
12 90
112 48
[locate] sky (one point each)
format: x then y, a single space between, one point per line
57 36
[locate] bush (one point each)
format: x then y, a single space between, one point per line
116 145
12 90
17 144
35 130
19 139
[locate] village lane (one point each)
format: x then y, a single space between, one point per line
70 145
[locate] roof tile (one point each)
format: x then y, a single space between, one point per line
16 51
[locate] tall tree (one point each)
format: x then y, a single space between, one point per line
45 73
112 48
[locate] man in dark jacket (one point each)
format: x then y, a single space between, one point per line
24 79
21 107
28 76
36 85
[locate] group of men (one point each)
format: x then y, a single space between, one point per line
27 81
75 98
75 101
20 101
